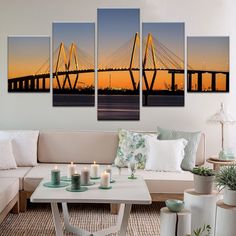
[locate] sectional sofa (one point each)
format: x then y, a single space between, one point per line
84 147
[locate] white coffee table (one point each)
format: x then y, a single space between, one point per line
124 192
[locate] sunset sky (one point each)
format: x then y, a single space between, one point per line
83 35
172 36
27 54
209 53
115 28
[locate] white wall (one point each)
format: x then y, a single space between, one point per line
35 111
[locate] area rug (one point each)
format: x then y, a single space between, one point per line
37 220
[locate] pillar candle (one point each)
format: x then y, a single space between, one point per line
105 180
94 170
71 169
75 181
85 176
55 176
109 170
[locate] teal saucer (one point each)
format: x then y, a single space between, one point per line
105 188
89 184
65 178
132 177
81 189
94 177
51 185
112 181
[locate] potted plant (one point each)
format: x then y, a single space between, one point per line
203 179
226 179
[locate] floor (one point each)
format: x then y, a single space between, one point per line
37 221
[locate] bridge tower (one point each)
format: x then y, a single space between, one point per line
135 49
149 44
67 63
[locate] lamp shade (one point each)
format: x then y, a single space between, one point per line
222 116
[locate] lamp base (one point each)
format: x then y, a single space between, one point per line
226 155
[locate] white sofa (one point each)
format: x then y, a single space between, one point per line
9 196
84 147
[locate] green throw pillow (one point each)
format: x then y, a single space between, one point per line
193 139
132 145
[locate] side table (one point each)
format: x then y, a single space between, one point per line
225 219
202 207
217 163
176 224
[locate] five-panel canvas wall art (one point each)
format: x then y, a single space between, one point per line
129 64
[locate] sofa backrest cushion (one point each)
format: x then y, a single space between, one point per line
87 146
80 147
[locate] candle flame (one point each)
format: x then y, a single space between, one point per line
55 168
94 162
76 172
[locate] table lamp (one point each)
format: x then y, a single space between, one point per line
223 117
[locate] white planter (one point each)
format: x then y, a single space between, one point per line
203 184
229 197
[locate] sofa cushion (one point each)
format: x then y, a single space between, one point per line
24 144
19 173
165 155
132 146
7 159
191 149
9 187
80 147
157 182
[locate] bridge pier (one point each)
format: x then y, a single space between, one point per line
199 82
190 81
21 85
172 81
32 84
26 85
44 84
37 84
227 81
213 81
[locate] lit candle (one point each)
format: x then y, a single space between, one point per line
75 181
85 176
105 180
109 170
94 170
71 169
55 176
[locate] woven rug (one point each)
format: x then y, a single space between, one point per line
37 220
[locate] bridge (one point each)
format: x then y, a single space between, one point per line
74 61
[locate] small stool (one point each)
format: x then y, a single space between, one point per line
175 224
225 219
202 207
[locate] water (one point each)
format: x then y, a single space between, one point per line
118 107
164 100
85 100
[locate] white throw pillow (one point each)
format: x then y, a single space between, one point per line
24 144
7 160
165 155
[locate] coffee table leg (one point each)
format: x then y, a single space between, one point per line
56 219
121 224
123 218
68 226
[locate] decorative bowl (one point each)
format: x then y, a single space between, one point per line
174 205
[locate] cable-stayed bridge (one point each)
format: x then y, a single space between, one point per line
73 60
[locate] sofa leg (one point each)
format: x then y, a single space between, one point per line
114 208
16 207
23 201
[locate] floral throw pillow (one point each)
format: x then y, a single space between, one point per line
132 146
